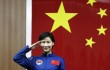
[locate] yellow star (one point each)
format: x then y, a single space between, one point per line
91 2
102 30
102 13
61 18
90 42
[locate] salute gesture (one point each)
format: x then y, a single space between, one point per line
46 61
36 44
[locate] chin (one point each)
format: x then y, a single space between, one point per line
46 50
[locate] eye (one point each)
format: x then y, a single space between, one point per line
48 41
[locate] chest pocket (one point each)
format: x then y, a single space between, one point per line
55 64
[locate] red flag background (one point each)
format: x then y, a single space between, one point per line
72 46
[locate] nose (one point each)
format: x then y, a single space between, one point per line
45 44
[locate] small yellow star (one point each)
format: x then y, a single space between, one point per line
91 2
102 30
61 18
90 42
102 13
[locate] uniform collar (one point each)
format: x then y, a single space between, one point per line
49 55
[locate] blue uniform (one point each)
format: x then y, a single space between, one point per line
43 62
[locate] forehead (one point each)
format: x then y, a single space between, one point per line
47 39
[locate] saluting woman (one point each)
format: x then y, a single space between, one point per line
47 61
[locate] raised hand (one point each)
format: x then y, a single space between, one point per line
35 45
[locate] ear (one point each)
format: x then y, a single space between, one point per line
53 43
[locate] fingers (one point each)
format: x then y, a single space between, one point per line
36 44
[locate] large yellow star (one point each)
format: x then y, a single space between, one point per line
102 30
61 18
102 13
90 42
91 2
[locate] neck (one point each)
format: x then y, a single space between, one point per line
47 53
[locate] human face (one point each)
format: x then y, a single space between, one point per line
46 44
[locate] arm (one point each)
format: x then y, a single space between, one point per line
62 65
20 57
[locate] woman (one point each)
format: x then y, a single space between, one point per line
47 61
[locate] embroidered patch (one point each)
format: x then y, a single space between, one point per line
39 62
55 62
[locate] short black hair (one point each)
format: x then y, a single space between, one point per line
46 34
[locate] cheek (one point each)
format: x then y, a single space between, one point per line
50 44
41 44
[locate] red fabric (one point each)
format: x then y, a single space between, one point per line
55 62
71 46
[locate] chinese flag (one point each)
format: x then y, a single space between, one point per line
55 62
81 29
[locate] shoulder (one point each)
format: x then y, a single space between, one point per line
59 58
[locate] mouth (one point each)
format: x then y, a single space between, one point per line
45 48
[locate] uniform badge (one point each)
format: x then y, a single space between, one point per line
55 62
39 62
